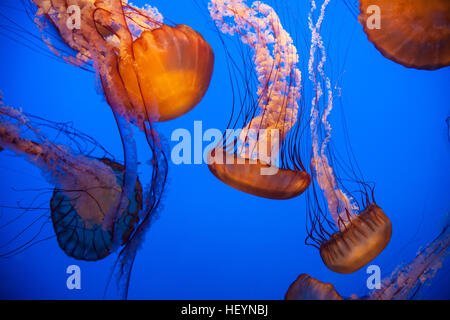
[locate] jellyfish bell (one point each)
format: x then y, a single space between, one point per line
173 70
257 178
149 71
404 283
87 189
308 288
364 238
348 233
79 221
415 33
255 159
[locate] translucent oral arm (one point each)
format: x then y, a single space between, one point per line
405 282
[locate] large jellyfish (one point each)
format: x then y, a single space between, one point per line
414 33
248 159
404 283
363 230
149 71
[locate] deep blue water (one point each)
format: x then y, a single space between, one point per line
214 242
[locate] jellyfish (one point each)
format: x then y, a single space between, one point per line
86 189
148 71
308 288
415 34
358 232
406 281
403 284
248 159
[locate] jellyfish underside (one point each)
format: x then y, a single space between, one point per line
412 33
308 288
360 242
82 240
250 176
173 70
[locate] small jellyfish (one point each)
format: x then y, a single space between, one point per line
415 33
404 283
248 159
148 71
358 232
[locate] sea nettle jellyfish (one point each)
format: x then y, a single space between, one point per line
87 191
257 158
149 70
307 288
404 283
357 231
414 33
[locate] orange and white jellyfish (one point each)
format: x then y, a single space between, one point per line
403 284
248 159
357 232
308 288
415 33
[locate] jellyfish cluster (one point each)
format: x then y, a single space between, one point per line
151 71
348 227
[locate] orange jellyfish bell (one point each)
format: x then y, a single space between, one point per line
308 288
149 71
173 69
258 178
262 158
363 238
414 33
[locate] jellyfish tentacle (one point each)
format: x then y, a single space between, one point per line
248 159
361 234
87 190
152 206
130 175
